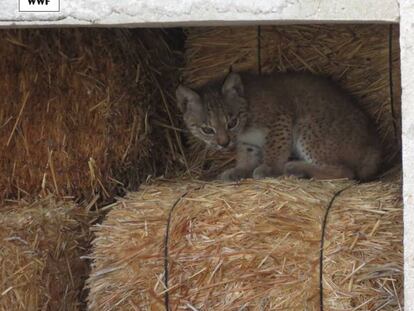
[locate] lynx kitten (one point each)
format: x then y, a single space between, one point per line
293 124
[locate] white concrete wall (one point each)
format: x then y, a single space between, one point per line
200 12
407 81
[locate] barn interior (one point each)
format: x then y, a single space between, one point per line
107 200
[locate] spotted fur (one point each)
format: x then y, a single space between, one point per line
280 117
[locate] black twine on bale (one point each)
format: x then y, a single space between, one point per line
325 219
166 240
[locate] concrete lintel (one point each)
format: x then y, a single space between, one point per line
156 13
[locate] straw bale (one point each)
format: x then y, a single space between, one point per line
363 262
248 246
356 56
76 110
40 248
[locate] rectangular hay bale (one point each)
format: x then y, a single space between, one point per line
76 110
40 248
250 246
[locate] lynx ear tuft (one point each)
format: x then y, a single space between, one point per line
233 85
187 99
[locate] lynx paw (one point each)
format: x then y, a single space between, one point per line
293 168
232 174
262 171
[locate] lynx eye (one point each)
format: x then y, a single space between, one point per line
207 130
232 123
